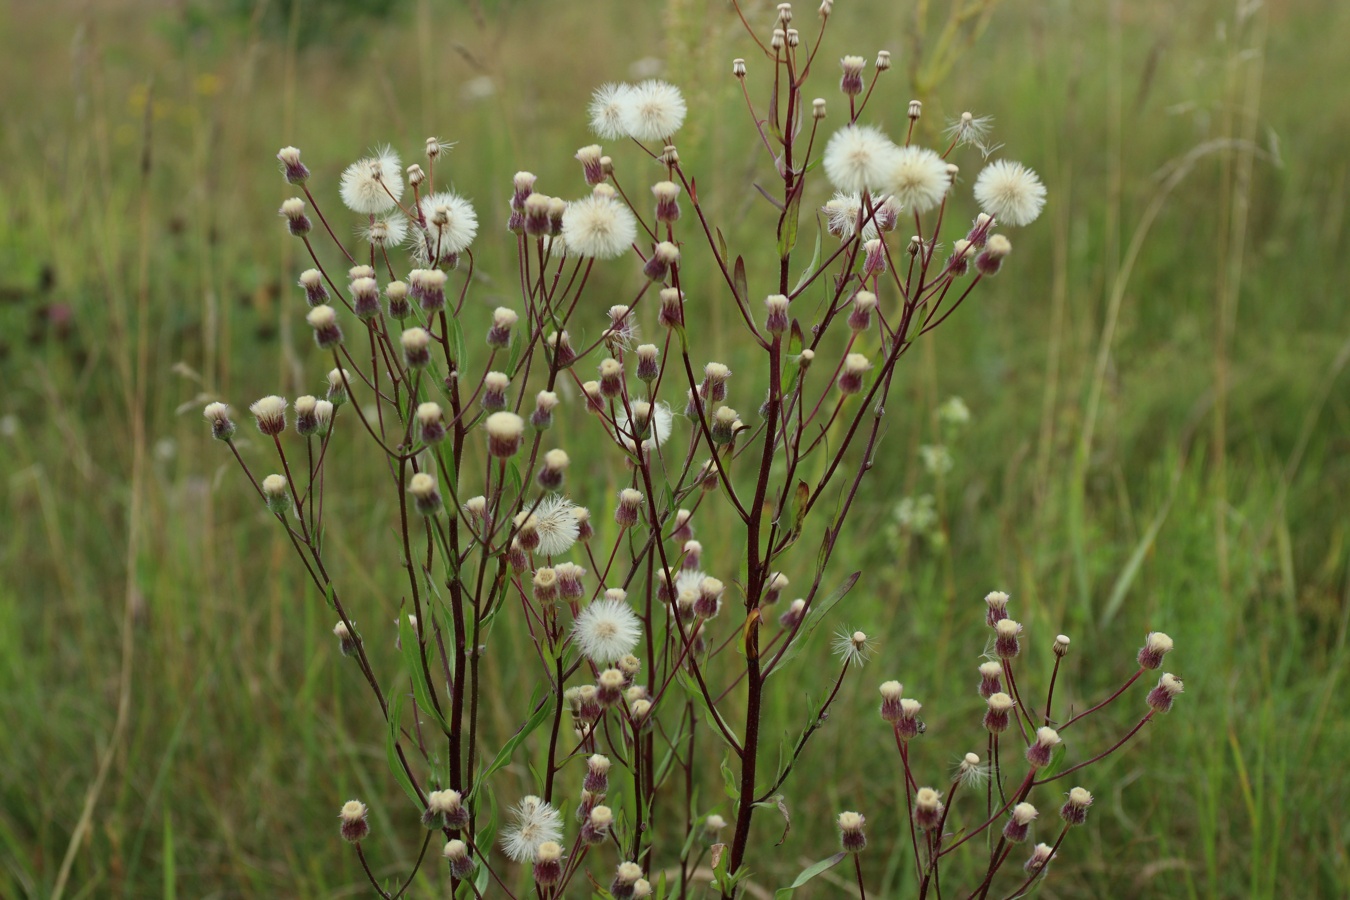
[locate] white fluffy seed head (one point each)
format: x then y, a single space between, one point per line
858 158
654 110
374 184
1010 192
607 110
917 178
606 630
598 226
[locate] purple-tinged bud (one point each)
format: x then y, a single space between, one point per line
709 600
714 386
596 828
672 308
416 343
589 157
291 166
611 378
595 401
1019 823
626 876
996 603
503 320
890 701
792 616
495 385
647 367
270 414
354 825
852 82
544 404
427 499
998 713
346 642
626 514
776 584
504 430
327 333
516 557
693 555
306 419
1038 754
860 317
1040 858
1156 646
433 290
557 207
431 423
570 574
667 201
537 222
560 346
523 185
597 774
874 259
365 298
337 387
550 476
776 320
312 281
664 255
585 531
297 223
724 425
1162 696
609 687
990 674
927 809
851 836
991 260
1074 811
396 300
1006 645
909 726
851 378
548 864
461 864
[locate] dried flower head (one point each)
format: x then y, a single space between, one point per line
927 808
853 648
1074 810
270 414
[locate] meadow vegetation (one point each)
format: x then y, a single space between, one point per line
1157 436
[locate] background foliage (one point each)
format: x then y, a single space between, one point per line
1158 440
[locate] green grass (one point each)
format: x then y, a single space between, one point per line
1207 502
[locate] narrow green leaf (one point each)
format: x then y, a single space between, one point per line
729 786
412 659
810 872
503 756
391 753
738 276
169 863
1056 762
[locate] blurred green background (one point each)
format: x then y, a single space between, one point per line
1157 384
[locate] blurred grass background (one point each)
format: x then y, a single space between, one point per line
1157 383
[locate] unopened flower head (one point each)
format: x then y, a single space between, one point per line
1074 810
996 249
503 320
291 166
598 226
431 422
664 255
293 211
891 692
218 414
998 712
270 414
606 630
851 81
338 379
505 430
990 674
917 178
456 853
851 836
327 333
1162 696
607 110
1038 754
860 316
422 486
450 226
306 419
776 320
431 284
589 157
626 876
415 342
667 195
793 615
927 808
354 825
315 292
859 158
851 378
1010 192
548 868
1156 646
373 185
996 603
1006 645
596 827
909 726
1040 858
1019 823
346 641
533 823
654 110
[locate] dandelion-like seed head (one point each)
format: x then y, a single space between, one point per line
451 225
607 110
970 771
853 648
858 158
606 630
373 185
556 524
389 231
533 824
1010 192
654 110
598 226
969 129
917 178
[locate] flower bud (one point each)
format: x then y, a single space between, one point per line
422 486
1156 646
315 292
1019 823
927 808
354 825
293 210
270 414
218 414
327 333
1074 810
431 423
1162 696
1006 645
291 166
504 434
276 492
415 342
851 836
1038 754
851 378
776 322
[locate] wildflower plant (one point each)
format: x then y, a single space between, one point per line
652 653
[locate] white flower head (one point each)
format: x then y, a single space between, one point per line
452 225
1010 192
653 111
607 110
917 177
858 157
534 822
658 415
556 524
598 226
606 630
374 184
